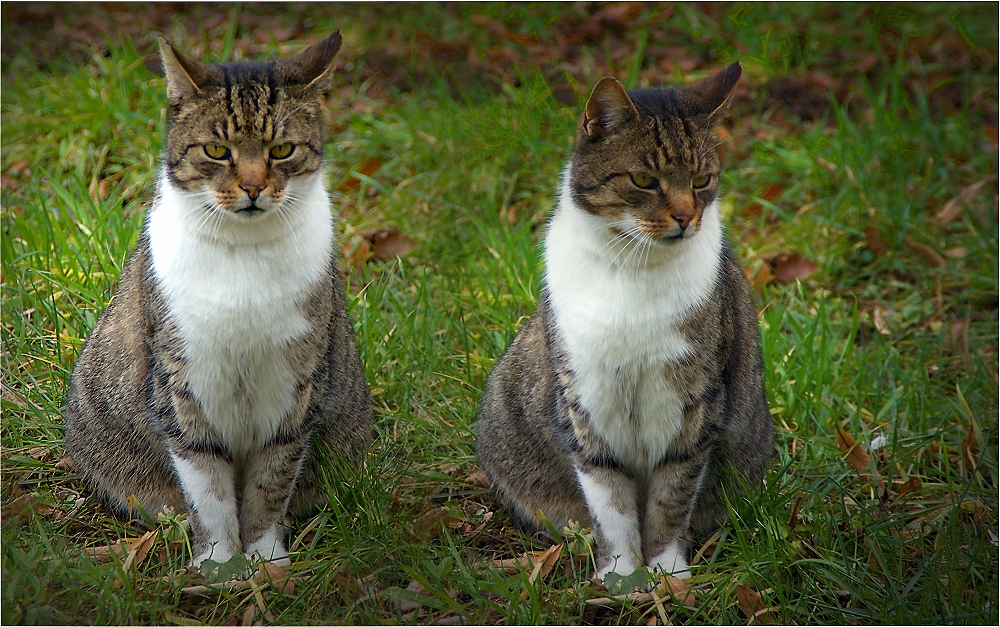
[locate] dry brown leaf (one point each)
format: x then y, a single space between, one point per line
970 450
388 244
509 566
927 253
958 338
957 252
874 241
18 506
407 605
357 256
854 455
139 548
278 578
248 615
770 194
751 605
369 167
479 479
678 589
544 562
952 209
910 485
429 523
758 280
878 319
793 266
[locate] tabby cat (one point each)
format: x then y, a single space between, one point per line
634 393
224 372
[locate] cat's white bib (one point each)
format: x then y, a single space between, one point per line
234 289
619 313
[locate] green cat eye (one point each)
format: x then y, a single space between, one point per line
216 151
643 181
700 182
282 151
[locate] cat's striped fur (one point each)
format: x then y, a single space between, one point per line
223 372
634 393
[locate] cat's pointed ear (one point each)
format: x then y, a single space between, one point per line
184 76
313 67
607 107
711 96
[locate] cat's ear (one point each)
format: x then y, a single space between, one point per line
607 107
184 76
314 66
711 96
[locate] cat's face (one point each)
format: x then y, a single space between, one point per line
646 161
240 135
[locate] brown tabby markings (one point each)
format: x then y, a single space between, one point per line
647 156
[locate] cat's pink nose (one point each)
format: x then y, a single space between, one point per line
682 218
253 191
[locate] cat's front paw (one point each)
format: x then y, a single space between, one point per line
218 552
619 565
270 548
670 562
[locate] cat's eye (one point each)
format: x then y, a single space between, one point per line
701 182
282 151
216 151
644 181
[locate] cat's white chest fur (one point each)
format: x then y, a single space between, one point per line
619 313
234 289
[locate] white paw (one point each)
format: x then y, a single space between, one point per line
671 562
218 552
270 548
620 565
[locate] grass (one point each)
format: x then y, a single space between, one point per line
877 343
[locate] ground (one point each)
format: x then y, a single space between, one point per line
859 190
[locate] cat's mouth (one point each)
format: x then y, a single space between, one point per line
672 237
251 209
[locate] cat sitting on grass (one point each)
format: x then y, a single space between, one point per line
224 372
634 393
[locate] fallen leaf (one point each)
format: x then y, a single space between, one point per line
508 566
910 485
479 479
854 455
248 615
770 194
958 338
751 605
928 254
356 256
952 209
878 319
873 239
678 589
369 167
970 449
759 280
792 266
388 244
957 252
544 562
139 549
19 505
428 524
409 599
278 578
